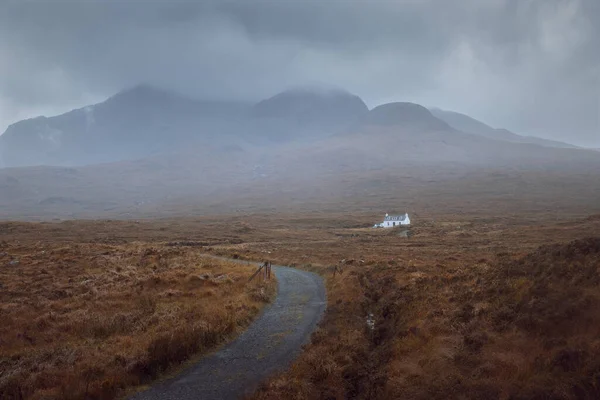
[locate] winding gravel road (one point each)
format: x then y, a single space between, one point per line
269 344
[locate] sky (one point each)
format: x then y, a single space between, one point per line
532 66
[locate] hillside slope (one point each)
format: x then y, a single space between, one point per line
145 121
134 123
467 124
305 115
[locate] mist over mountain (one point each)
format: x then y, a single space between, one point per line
134 123
312 106
145 150
467 124
404 114
144 120
306 114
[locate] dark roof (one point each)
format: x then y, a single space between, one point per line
395 217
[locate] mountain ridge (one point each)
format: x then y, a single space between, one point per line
145 120
404 114
133 123
465 123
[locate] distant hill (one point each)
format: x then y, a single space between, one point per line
134 123
467 124
143 121
374 164
385 155
392 136
312 107
306 114
406 115
330 129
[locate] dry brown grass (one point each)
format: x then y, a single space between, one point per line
466 308
90 321
479 305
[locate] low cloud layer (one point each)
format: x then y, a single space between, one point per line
529 65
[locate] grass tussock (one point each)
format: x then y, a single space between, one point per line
91 321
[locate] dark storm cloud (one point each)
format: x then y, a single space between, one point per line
530 65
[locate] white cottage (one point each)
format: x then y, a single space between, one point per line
391 221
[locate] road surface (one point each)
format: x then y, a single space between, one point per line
269 345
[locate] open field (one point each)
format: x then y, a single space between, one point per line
84 320
493 296
461 310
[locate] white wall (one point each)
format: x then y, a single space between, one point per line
390 224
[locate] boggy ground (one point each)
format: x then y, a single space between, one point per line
84 320
484 304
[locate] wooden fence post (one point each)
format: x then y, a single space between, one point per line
256 273
263 272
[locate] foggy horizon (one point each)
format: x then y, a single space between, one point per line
530 68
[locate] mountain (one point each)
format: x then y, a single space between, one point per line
394 135
306 114
144 121
374 166
387 155
467 124
406 115
134 123
312 107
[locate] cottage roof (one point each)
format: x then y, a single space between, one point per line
395 217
